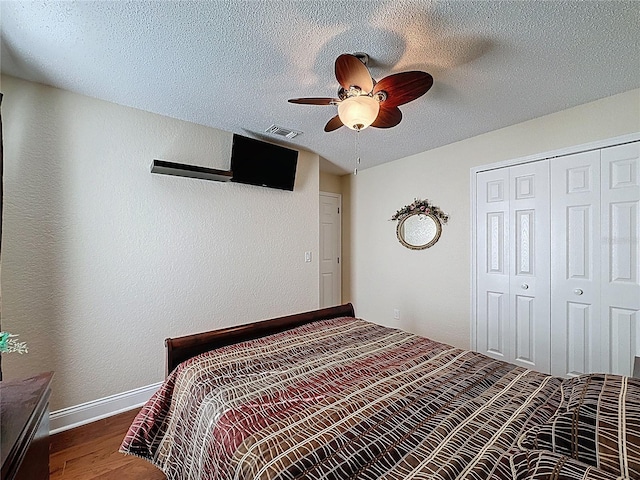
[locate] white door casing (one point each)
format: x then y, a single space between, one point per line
330 248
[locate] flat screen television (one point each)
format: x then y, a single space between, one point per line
260 163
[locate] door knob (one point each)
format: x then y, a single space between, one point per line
524 286
578 291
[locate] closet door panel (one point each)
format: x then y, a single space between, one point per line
492 217
620 251
575 264
579 324
529 249
525 347
622 340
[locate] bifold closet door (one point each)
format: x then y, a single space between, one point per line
575 258
595 270
513 264
620 249
530 290
492 256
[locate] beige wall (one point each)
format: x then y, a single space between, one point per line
431 288
102 260
330 183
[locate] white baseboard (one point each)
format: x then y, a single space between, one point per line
78 415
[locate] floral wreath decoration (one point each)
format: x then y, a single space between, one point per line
421 206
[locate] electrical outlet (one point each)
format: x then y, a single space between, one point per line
307 257
396 314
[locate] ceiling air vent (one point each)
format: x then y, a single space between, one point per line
282 132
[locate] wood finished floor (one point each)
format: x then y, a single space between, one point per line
91 452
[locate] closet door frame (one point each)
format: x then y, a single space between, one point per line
610 142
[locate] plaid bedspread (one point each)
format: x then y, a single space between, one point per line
341 399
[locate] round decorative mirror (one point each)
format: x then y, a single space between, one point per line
419 230
419 224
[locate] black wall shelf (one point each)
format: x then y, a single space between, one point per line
192 171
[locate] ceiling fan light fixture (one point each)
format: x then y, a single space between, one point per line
362 101
358 112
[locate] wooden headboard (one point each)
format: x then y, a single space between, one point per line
180 349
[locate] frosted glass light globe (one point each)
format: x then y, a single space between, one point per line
359 112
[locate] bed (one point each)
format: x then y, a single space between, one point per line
326 395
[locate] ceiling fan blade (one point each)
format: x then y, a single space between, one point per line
333 124
403 87
314 101
352 72
387 117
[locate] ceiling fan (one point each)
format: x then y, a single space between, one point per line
362 101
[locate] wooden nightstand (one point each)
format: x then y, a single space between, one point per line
24 423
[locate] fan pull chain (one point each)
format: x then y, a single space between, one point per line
355 170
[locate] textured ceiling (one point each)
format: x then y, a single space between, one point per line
232 65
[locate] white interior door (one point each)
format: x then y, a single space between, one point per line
492 236
330 248
529 249
575 258
620 327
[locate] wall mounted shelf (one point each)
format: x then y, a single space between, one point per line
192 171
